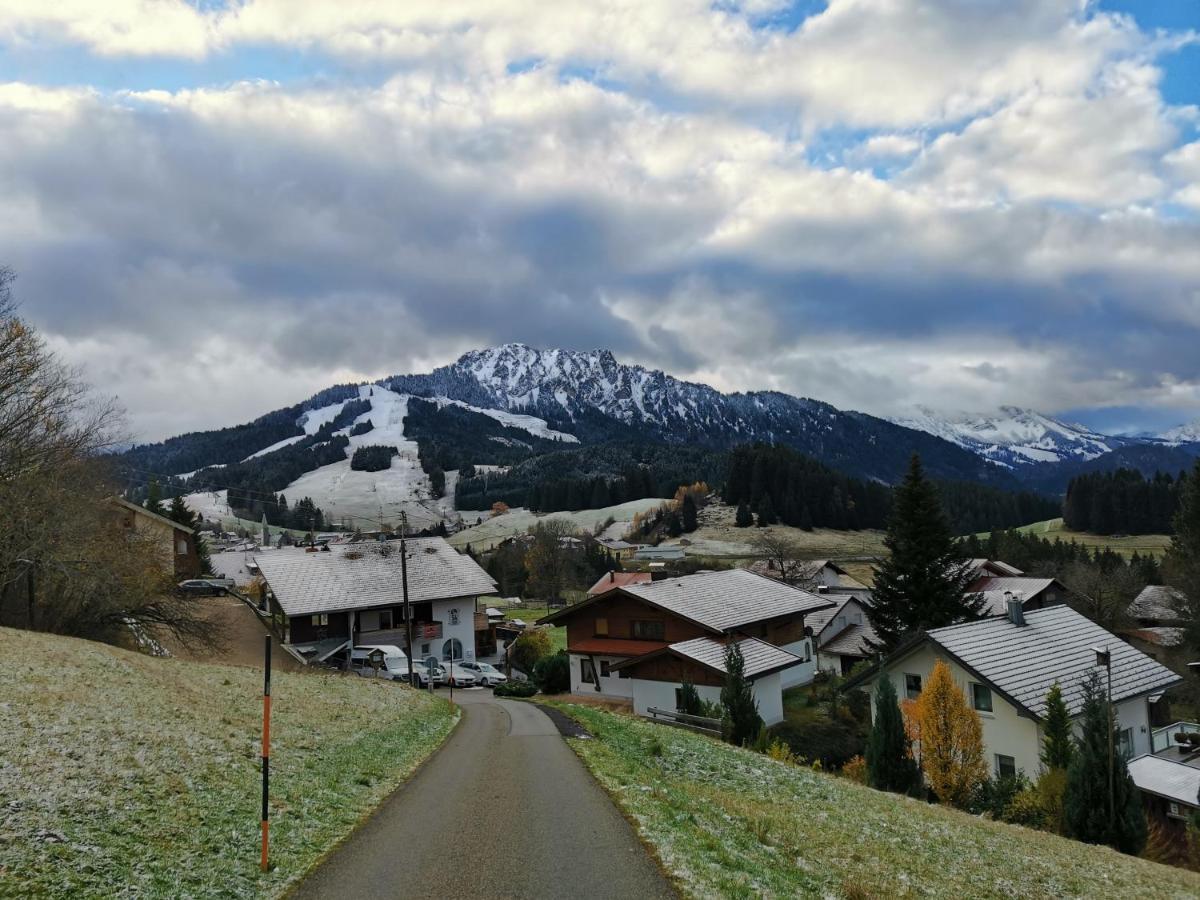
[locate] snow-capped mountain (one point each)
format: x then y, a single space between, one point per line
1014 437
1182 434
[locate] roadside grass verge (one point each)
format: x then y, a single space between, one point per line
727 822
125 775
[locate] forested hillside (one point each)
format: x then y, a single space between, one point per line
1123 502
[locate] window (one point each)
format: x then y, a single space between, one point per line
981 697
322 619
1125 743
601 627
648 631
424 649
604 672
452 649
181 547
678 699
587 672
1006 766
912 686
385 618
1174 810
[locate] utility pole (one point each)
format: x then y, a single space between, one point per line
266 751
404 588
1104 658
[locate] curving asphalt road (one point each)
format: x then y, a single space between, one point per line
503 810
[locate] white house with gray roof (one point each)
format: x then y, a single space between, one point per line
352 594
1006 665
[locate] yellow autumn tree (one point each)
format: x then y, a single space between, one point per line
910 712
951 739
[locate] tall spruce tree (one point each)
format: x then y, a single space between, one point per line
1089 816
154 498
890 766
740 721
1181 565
1057 743
923 582
744 518
689 513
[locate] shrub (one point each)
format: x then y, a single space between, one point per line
856 769
833 744
1051 787
529 649
993 795
553 673
515 689
781 752
1027 809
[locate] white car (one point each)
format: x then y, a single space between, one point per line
461 676
486 673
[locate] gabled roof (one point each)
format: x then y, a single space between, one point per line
1022 662
729 599
985 567
718 601
760 657
801 570
1158 603
993 590
853 640
1166 778
361 576
610 580
142 511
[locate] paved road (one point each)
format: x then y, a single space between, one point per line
503 810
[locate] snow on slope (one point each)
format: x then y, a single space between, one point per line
535 426
363 497
278 445
1183 434
315 418
1012 436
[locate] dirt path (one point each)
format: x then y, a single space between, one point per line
504 809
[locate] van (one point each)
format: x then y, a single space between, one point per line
394 666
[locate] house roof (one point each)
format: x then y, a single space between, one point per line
615 544
760 657
853 640
1157 602
1054 646
727 599
362 576
1162 635
610 580
984 567
142 511
664 551
994 589
808 570
1166 778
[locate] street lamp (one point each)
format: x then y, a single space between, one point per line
1104 658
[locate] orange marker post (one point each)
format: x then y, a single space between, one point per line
266 750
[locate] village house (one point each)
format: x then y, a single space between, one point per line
998 582
1157 621
820 576
351 594
177 542
618 548
1006 665
842 634
610 580
641 641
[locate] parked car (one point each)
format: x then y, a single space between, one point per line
461 676
393 662
206 586
421 672
486 673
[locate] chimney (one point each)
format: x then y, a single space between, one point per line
1016 611
612 576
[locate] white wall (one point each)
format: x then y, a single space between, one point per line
801 673
464 630
661 694
610 686
768 691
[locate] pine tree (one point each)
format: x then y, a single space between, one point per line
179 512
1057 742
689 700
890 765
688 511
951 739
922 583
1086 807
744 518
1181 565
740 722
766 511
154 498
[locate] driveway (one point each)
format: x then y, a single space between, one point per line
503 809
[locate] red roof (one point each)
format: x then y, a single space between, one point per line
610 580
615 647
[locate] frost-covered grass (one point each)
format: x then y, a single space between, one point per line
127 776
731 823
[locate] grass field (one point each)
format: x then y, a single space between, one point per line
1054 528
125 775
727 822
530 614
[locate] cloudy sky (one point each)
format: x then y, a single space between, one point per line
218 208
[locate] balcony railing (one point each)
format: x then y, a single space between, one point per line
398 637
1164 738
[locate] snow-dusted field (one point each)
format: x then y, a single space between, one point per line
518 521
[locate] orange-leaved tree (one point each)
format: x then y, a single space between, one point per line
951 739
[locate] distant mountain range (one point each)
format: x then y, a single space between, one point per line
499 405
